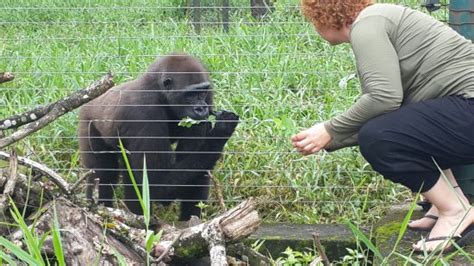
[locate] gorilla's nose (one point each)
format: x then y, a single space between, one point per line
201 111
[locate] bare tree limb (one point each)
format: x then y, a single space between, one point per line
233 225
19 120
168 248
216 240
320 249
80 180
6 76
56 110
47 172
10 184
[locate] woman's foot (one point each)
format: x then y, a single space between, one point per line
426 222
449 224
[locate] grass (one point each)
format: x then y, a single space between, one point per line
278 75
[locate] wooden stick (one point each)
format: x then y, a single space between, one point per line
216 240
80 180
10 184
6 76
168 248
231 226
57 109
320 249
44 170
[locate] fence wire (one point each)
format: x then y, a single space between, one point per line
275 73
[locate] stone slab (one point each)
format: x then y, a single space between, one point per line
335 238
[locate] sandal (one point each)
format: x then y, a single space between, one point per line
424 204
422 229
461 240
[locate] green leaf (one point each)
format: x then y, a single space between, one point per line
7 258
30 240
407 218
150 238
364 239
58 247
130 173
411 260
188 122
19 253
158 235
146 194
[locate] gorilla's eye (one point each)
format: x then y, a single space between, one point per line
167 82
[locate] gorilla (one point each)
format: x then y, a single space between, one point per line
144 114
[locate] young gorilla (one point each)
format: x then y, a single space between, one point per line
144 114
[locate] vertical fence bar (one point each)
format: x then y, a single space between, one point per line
461 19
225 15
197 15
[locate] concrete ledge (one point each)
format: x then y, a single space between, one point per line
334 237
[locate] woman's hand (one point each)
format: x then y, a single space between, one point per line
311 140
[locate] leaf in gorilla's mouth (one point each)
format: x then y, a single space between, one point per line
189 122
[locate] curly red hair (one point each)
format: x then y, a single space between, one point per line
333 13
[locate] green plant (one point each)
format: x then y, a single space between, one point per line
295 258
144 199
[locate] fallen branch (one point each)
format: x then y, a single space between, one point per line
193 242
165 252
56 110
320 249
250 256
82 235
44 170
6 76
80 180
9 187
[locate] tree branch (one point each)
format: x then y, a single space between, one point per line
47 172
55 110
9 187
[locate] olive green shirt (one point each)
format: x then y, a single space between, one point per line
402 56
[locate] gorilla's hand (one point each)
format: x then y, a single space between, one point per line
226 123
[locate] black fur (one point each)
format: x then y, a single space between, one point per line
145 113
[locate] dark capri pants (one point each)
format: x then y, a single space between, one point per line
401 145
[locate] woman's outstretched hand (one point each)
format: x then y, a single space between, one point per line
311 140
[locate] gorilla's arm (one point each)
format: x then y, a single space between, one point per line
159 154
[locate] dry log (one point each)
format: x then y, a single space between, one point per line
55 110
25 183
45 171
84 240
235 224
6 76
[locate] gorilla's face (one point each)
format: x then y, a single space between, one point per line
184 82
188 100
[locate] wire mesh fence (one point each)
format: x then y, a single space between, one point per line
273 71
